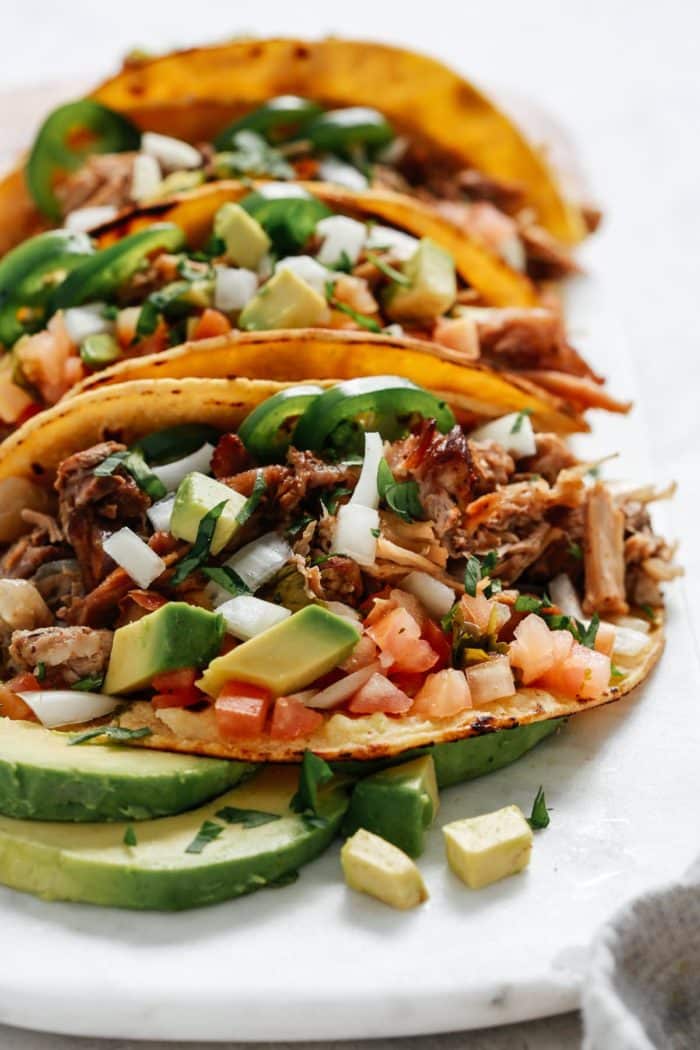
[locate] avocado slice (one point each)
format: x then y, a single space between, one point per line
285 301
197 494
176 635
44 777
288 656
398 804
432 287
91 862
245 240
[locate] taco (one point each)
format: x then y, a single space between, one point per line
253 570
269 258
295 109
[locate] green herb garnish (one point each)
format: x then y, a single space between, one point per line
227 578
615 673
575 550
115 734
648 612
519 419
475 571
402 497
376 533
389 271
40 671
130 836
202 544
334 498
251 504
90 684
539 818
586 635
249 818
313 774
209 831
134 463
363 320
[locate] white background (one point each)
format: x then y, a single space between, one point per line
622 76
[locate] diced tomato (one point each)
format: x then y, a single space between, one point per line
291 719
584 674
379 694
605 638
241 710
398 635
460 334
211 323
13 706
24 683
533 650
364 654
177 698
306 167
148 600
477 610
443 694
169 681
409 682
440 642
385 601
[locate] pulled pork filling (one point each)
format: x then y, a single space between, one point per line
485 565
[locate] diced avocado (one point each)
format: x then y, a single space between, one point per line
287 657
285 301
180 182
373 866
196 495
432 289
482 850
93 864
176 635
44 777
245 239
398 804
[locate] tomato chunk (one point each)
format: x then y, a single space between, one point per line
584 674
211 323
291 718
440 642
398 635
170 681
13 706
533 649
443 694
379 694
241 710
177 698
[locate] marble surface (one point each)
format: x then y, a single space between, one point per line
625 80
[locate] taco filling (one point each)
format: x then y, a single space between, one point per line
277 258
349 571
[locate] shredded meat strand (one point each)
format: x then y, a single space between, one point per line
604 554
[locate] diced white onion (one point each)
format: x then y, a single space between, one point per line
160 513
343 689
630 643
402 245
266 267
520 442
345 612
258 561
354 535
512 251
436 596
393 151
234 288
82 321
173 154
146 177
134 556
308 270
245 615
395 330
563 593
366 492
341 236
282 191
490 680
171 474
331 169
635 623
83 219
66 707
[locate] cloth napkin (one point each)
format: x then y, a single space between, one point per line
642 990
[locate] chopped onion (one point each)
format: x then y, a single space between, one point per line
134 556
436 596
635 623
563 593
245 615
160 514
343 689
395 330
402 245
146 177
234 288
490 681
354 533
66 707
366 491
630 643
393 152
341 236
282 191
332 169
308 270
83 219
512 251
82 321
173 154
345 612
258 561
171 474
514 432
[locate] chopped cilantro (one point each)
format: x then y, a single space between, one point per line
201 546
539 818
40 671
401 497
115 734
594 472
313 774
343 263
574 549
648 612
110 312
615 673
251 504
130 836
389 271
586 635
209 831
91 683
529 603
475 571
519 419
376 533
249 818
227 578
134 463
334 498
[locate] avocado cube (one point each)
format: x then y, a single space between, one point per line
285 301
432 289
482 850
245 239
288 656
398 804
176 635
197 494
373 866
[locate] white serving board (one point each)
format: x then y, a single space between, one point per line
315 961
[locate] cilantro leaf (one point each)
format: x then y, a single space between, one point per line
313 774
334 498
202 544
114 734
91 683
209 831
134 463
253 500
40 671
249 818
616 674
130 836
519 419
539 818
529 603
475 571
648 612
227 578
586 635
401 497
389 271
